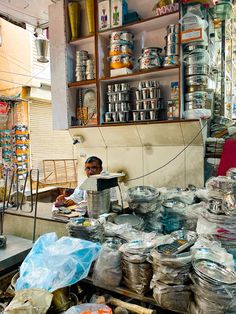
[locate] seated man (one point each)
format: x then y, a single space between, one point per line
93 165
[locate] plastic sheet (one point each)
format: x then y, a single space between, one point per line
174 298
53 264
126 232
107 270
89 308
30 301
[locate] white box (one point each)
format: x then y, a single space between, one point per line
118 9
122 71
104 20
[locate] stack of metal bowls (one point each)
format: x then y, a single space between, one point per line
121 50
148 101
171 273
143 199
196 58
137 272
172 46
119 98
80 66
84 67
86 229
150 58
214 288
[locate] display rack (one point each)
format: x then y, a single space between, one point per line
148 32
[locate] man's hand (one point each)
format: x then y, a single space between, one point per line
60 198
69 203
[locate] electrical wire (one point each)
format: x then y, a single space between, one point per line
20 74
20 84
22 12
172 159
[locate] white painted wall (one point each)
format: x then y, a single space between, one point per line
139 149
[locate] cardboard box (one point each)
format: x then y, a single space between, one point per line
191 35
118 9
104 21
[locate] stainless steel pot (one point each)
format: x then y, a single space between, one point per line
189 105
196 96
196 80
199 57
191 47
196 69
98 203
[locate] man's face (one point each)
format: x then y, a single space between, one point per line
92 168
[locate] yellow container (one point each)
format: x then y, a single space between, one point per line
90 15
74 17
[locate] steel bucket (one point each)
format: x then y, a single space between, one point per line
42 50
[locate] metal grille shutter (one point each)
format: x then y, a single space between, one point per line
46 143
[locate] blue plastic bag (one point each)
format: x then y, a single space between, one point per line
52 264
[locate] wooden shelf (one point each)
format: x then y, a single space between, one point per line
124 291
84 40
104 125
149 24
144 74
82 84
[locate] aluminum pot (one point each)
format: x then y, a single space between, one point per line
196 69
149 62
196 80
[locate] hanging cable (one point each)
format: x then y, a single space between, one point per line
172 159
21 74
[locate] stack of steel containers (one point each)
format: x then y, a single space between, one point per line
119 98
172 46
84 68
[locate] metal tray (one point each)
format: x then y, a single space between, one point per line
214 272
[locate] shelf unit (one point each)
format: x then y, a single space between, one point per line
148 32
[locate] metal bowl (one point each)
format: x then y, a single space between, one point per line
196 69
196 80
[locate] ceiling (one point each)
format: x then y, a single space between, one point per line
34 12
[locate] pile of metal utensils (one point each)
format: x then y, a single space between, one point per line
171 263
136 270
148 101
219 126
219 219
119 97
214 287
84 67
172 46
86 228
